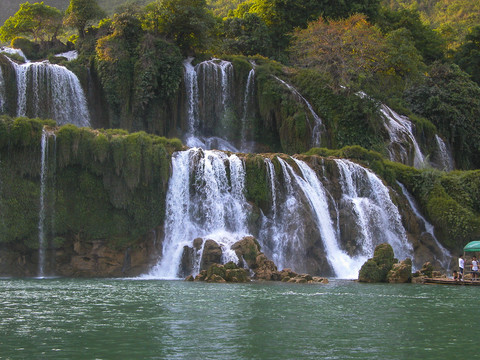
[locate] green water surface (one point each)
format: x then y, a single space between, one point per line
152 319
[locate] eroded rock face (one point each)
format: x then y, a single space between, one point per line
80 258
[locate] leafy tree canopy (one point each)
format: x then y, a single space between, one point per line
37 21
468 54
80 12
451 101
186 22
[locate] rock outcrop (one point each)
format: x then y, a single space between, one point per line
383 267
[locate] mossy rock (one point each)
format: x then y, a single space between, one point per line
370 272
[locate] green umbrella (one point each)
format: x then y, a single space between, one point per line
472 246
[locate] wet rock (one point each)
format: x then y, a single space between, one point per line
401 272
212 254
376 269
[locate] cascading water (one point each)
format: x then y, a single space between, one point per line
2 92
246 117
50 91
209 83
400 131
443 156
318 125
41 215
204 200
445 256
18 52
370 205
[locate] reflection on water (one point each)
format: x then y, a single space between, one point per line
105 319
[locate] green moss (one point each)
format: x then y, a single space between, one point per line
256 182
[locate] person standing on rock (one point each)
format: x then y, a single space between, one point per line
461 265
474 268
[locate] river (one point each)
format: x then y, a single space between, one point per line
155 319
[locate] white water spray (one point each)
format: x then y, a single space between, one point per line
400 131
50 91
211 206
376 214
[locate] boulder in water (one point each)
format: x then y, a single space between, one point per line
212 254
218 273
376 269
401 272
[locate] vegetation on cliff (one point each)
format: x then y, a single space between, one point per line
101 184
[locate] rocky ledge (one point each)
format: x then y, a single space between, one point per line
252 264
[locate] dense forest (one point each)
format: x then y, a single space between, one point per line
351 60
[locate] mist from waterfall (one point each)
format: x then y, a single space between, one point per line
50 91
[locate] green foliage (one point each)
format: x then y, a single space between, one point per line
428 43
468 54
80 12
451 101
247 35
157 73
29 48
188 23
257 182
38 21
376 269
107 184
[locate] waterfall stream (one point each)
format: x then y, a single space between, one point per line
445 256
206 200
400 131
50 91
41 215
444 157
317 122
246 116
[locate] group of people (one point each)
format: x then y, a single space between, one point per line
461 265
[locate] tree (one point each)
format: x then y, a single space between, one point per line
468 54
186 22
451 101
347 49
248 35
38 21
426 40
80 12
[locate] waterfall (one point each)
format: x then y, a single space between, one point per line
204 200
318 125
3 90
41 217
50 91
400 131
208 89
443 156
445 256
376 215
19 52
247 99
